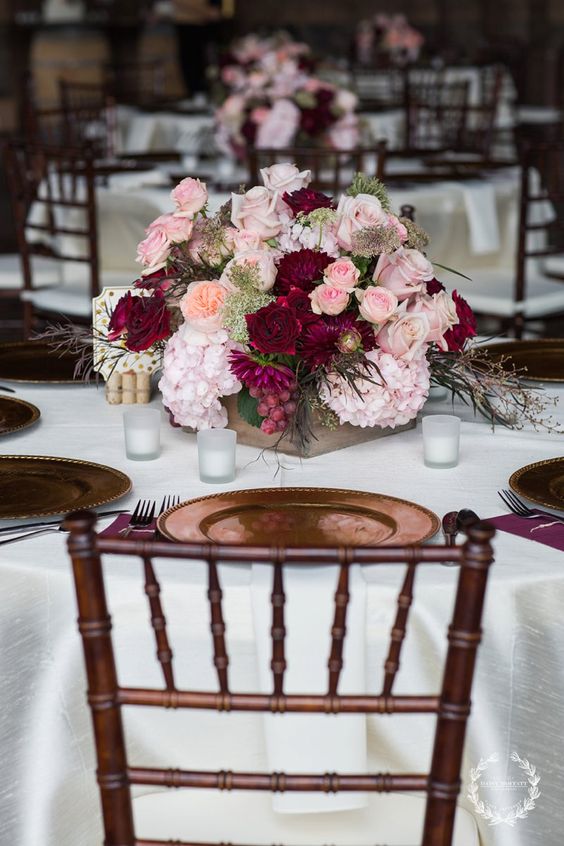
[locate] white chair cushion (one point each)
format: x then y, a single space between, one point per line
491 292
247 817
554 264
11 277
72 300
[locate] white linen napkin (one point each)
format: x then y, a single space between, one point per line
321 743
481 213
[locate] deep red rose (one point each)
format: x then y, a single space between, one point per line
298 300
148 321
433 286
118 320
274 329
249 131
316 121
159 280
304 200
321 341
466 328
301 269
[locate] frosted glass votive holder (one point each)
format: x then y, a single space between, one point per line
142 430
216 455
441 440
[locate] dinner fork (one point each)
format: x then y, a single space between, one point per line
141 518
518 507
168 502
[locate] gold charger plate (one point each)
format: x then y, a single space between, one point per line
39 485
37 362
299 517
16 414
541 482
543 358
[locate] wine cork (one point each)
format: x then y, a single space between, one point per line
113 389
143 388
129 388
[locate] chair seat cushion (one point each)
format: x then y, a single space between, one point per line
11 276
247 817
70 299
491 292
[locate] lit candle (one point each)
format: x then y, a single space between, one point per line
441 440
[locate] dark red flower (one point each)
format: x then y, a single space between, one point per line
274 329
316 121
433 286
159 280
249 131
301 269
466 328
148 321
298 300
304 200
321 341
274 378
118 320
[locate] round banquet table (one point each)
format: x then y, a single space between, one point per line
48 795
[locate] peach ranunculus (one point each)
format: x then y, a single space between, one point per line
404 272
189 196
356 213
154 250
202 305
280 127
261 260
441 314
256 211
404 337
376 304
285 177
176 228
343 274
328 300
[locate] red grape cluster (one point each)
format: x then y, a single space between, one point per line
275 408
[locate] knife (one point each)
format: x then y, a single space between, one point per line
9 390
9 530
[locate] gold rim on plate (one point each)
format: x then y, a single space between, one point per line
33 414
27 479
307 516
541 482
543 358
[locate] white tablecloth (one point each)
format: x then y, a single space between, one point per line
48 795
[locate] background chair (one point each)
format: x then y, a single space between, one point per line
435 115
89 116
106 696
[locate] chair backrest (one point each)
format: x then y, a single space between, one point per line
332 170
106 696
378 88
89 116
139 83
54 203
435 115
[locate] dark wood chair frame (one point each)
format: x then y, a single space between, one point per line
106 697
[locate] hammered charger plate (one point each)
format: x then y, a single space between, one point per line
37 362
39 485
299 517
16 414
541 482
540 360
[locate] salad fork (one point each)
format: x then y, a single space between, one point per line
141 518
518 507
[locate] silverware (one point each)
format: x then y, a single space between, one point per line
9 530
141 518
450 530
44 531
465 519
518 507
9 390
168 502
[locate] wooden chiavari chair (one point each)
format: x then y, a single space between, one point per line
139 83
106 696
332 170
378 88
89 116
435 115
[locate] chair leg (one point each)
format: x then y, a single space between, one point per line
518 326
28 316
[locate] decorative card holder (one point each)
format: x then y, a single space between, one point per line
127 374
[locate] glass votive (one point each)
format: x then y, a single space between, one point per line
441 440
216 455
142 429
437 393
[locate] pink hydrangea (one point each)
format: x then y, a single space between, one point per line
196 374
394 403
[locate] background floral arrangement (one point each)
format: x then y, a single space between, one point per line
302 305
251 58
389 36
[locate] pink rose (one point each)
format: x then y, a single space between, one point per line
285 177
189 196
244 239
280 127
441 314
355 213
260 114
396 224
233 76
346 100
404 272
345 133
328 300
232 108
256 211
342 274
261 260
154 250
202 305
376 304
176 228
405 337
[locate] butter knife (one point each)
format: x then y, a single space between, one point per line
11 530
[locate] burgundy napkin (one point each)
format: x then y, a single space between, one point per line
550 536
122 522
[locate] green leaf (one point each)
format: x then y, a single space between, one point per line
247 408
363 184
451 270
362 263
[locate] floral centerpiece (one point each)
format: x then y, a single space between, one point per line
305 306
390 37
272 57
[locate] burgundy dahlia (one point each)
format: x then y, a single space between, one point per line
304 200
301 269
466 328
433 286
274 329
273 378
323 340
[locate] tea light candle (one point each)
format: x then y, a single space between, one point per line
216 455
441 440
142 429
